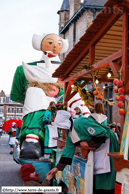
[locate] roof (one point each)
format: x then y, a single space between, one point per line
94 2
108 43
77 15
65 6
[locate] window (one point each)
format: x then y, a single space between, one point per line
17 110
7 100
1 109
12 110
1 99
9 110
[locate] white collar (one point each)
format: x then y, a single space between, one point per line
99 117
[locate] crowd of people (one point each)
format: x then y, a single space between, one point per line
79 130
91 131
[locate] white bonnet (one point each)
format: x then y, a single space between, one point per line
62 119
37 40
13 123
80 107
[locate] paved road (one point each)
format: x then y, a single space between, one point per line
9 169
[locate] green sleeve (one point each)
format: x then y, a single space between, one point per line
9 131
47 116
19 86
87 128
69 149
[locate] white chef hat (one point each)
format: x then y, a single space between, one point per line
62 119
13 124
37 40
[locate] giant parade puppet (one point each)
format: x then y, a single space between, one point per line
34 87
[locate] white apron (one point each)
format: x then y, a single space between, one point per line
101 158
52 133
12 140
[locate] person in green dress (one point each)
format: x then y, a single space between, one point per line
13 135
91 131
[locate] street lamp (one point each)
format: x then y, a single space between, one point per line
109 73
96 80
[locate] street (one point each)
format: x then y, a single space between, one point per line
9 169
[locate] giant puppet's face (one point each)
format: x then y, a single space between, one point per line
52 42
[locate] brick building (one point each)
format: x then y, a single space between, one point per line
74 18
9 109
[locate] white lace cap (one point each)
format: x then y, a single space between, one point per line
37 40
62 119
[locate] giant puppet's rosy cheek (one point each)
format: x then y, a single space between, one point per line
53 92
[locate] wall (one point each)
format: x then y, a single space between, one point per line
74 6
81 26
63 18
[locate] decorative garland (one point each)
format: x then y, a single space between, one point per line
100 94
86 96
119 90
54 109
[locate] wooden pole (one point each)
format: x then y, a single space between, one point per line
125 70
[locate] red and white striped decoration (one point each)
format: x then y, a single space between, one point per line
32 138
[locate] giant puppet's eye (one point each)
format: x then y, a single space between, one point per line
50 42
59 44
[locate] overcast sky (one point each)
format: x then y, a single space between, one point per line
19 20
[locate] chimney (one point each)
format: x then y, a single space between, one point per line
74 6
64 14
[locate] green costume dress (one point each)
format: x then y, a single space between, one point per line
33 120
88 129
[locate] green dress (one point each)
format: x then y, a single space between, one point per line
88 129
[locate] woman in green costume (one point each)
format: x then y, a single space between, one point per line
13 133
90 131
34 86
